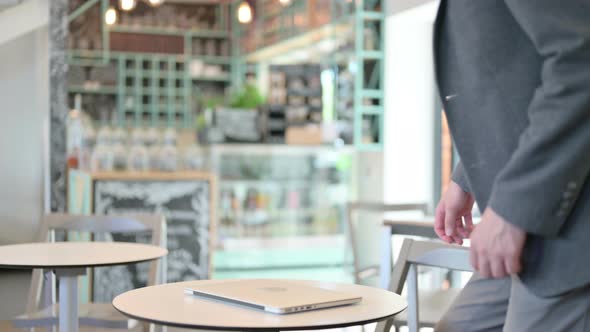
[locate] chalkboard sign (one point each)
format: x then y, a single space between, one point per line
186 205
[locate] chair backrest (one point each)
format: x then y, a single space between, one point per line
423 228
132 223
153 224
351 207
428 253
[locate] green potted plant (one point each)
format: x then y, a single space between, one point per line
242 120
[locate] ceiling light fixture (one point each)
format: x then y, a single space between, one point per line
285 3
127 5
244 12
110 16
155 3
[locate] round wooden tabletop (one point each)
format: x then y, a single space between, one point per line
169 305
76 254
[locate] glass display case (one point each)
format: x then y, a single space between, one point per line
282 191
281 207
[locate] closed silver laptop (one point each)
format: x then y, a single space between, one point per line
275 296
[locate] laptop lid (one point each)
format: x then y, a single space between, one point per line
276 296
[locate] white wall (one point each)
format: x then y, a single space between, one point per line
24 107
369 179
398 6
410 106
404 172
23 18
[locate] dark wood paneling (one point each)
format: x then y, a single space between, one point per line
138 42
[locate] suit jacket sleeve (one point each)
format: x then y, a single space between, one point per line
459 178
538 187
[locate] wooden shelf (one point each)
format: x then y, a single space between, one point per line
165 107
151 175
278 150
301 41
170 31
105 90
148 73
215 59
223 78
161 73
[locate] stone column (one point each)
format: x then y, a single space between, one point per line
58 35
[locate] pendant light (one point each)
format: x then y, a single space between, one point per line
244 13
110 16
127 5
285 3
155 3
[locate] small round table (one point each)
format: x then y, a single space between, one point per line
169 305
70 260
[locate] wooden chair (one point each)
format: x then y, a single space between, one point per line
97 315
362 273
435 301
427 253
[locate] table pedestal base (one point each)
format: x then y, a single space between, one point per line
68 298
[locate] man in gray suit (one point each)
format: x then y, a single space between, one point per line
514 76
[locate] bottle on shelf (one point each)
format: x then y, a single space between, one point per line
153 145
138 159
194 159
119 149
169 152
102 156
225 215
79 136
88 144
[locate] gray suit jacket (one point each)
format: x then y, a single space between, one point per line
514 77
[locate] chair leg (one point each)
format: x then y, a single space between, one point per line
384 325
50 288
412 281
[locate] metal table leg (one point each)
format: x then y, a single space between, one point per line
68 298
386 259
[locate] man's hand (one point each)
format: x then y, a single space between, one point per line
496 246
453 221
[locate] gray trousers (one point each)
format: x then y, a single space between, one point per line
507 305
